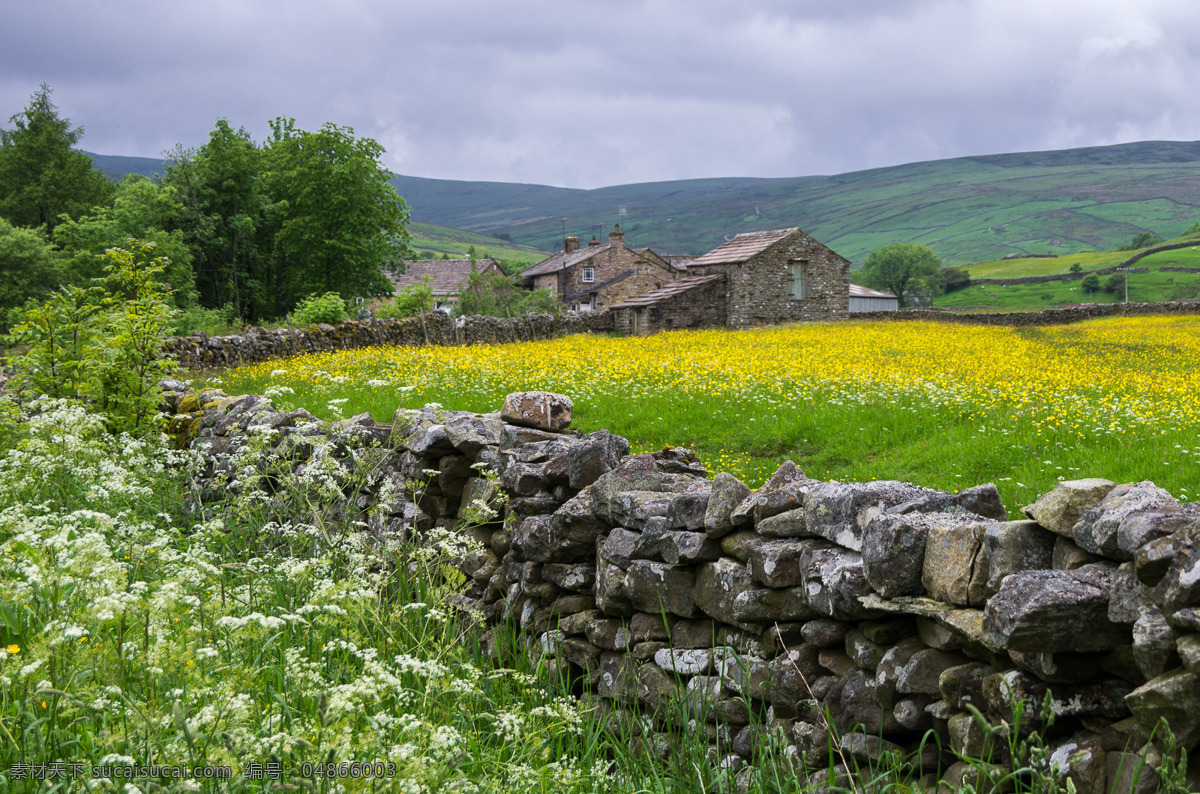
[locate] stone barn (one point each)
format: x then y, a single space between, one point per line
777 277
692 302
767 277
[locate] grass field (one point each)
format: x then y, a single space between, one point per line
1143 287
942 406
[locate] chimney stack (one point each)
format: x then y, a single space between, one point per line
570 244
616 238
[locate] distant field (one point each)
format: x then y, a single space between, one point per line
1143 287
939 405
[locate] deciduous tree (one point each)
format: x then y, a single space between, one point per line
29 267
901 268
339 214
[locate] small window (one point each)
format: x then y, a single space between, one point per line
798 279
589 275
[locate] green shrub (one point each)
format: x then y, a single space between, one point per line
327 308
214 322
102 345
1090 283
412 300
954 278
1115 282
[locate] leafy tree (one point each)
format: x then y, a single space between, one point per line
227 219
498 295
412 300
1090 283
142 210
103 344
901 268
29 267
1115 282
134 326
304 213
954 278
1076 268
1142 240
1193 229
338 213
41 176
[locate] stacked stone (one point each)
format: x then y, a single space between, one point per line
873 612
203 352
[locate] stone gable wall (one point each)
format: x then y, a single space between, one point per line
862 615
758 288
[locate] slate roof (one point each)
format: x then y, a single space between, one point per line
668 291
447 275
740 248
563 260
857 291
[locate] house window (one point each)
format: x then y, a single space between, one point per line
798 279
589 275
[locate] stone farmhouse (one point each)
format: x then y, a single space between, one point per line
600 275
448 277
754 279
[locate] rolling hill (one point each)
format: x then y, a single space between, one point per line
967 209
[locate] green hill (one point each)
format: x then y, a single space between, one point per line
967 209
430 241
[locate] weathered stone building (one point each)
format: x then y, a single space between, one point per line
692 302
764 278
600 275
777 277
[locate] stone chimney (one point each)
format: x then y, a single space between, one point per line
616 238
570 244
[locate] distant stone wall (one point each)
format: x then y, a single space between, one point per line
1012 282
202 352
862 615
1050 316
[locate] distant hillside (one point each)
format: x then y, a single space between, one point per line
967 209
431 241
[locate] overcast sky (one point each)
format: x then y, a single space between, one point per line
604 92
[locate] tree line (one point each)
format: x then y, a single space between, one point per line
245 229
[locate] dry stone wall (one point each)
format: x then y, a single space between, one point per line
1051 316
201 352
854 615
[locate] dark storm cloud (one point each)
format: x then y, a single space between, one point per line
587 94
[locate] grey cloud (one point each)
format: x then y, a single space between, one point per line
583 94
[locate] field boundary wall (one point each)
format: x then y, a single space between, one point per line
201 352
858 616
1055 315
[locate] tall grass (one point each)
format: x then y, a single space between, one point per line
271 638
